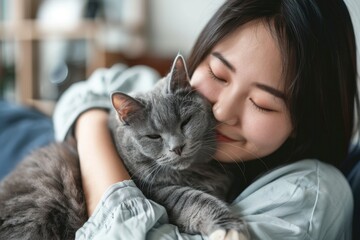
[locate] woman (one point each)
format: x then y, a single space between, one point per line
281 76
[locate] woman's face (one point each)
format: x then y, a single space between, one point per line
242 78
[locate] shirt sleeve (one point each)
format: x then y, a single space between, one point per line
95 93
304 200
125 213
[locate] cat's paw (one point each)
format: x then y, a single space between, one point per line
228 227
222 234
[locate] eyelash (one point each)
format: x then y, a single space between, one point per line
261 109
214 77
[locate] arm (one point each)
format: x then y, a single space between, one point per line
84 106
99 162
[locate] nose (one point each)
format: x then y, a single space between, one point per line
178 149
226 110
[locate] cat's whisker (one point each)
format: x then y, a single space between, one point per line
151 176
261 160
216 125
195 103
195 107
234 160
191 91
251 152
155 167
211 140
219 124
144 170
236 163
148 175
194 147
257 157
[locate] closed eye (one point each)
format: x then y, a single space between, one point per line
214 77
153 136
187 120
261 109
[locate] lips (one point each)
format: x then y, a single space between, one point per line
222 138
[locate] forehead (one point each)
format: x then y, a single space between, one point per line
253 50
167 111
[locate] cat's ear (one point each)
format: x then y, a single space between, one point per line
125 106
179 77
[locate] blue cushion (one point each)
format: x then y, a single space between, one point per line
21 131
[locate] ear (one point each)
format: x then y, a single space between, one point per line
125 106
179 77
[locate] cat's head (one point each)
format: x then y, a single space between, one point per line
174 126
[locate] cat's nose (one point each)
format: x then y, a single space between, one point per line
178 149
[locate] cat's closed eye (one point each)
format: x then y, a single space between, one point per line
187 120
153 136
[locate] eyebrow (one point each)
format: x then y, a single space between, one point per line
271 90
224 61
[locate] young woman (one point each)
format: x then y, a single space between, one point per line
281 76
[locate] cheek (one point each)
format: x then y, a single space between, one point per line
267 135
150 148
204 85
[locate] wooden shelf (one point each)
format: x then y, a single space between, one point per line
33 30
25 31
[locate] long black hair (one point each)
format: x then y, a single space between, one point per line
317 42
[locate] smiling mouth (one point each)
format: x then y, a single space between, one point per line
222 138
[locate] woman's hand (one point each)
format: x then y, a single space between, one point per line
100 163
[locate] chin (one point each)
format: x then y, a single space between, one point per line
180 164
180 167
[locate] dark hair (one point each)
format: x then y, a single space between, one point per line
317 43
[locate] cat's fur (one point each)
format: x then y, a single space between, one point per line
165 138
42 198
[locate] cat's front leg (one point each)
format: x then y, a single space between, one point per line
194 211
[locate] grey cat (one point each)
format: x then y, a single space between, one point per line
165 137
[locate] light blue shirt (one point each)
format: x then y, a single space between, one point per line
304 200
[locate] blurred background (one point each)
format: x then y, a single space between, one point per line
45 45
